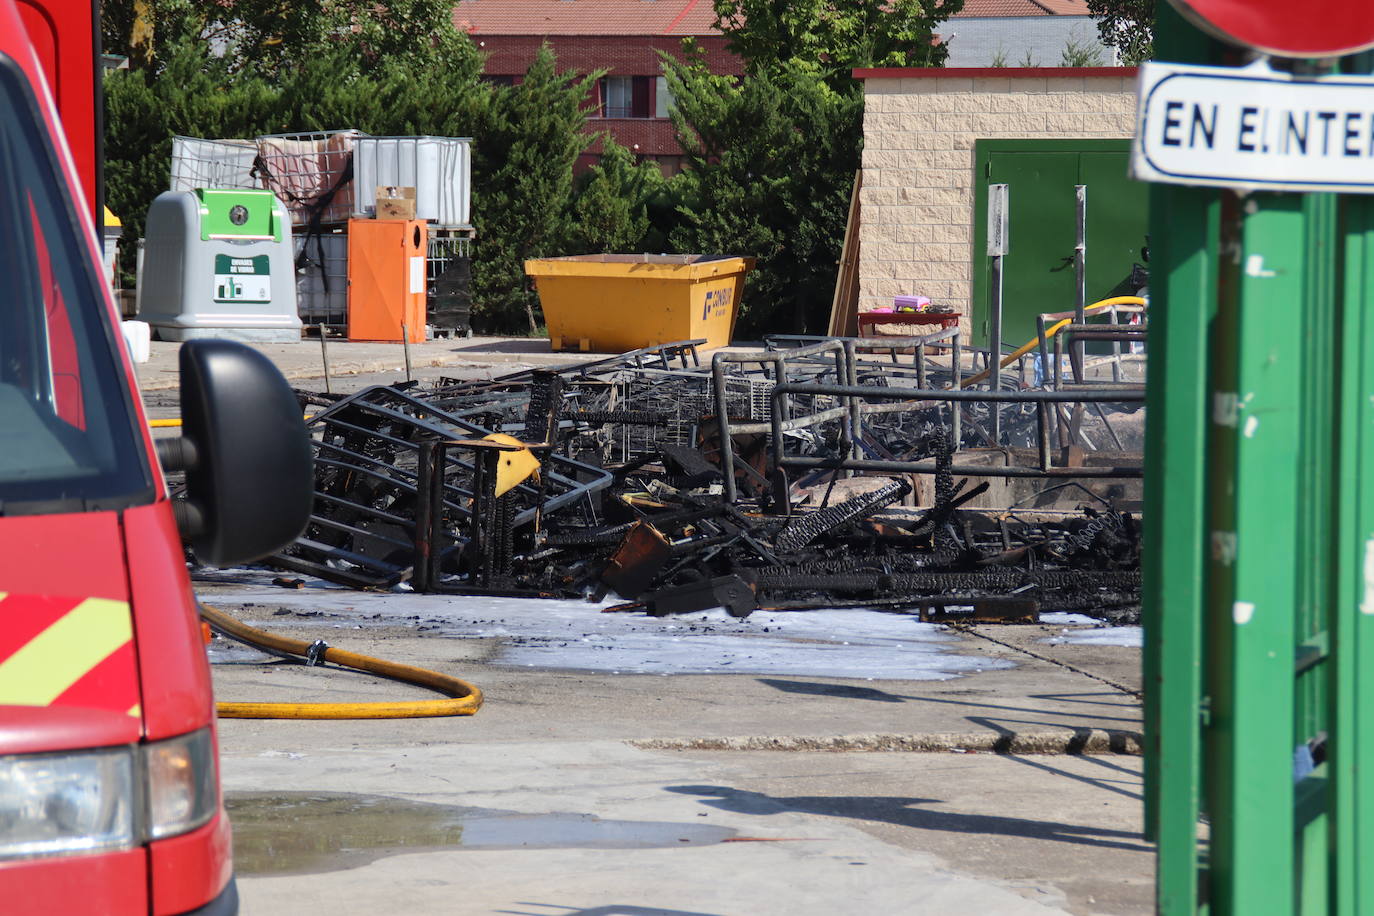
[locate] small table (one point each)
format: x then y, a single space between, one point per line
869 322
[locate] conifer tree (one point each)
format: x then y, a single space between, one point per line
609 210
771 162
522 187
772 156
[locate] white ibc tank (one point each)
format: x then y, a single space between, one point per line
438 168
218 263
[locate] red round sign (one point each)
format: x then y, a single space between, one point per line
1315 28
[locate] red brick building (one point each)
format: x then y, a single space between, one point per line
622 37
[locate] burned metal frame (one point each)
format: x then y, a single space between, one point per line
1070 338
432 422
856 395
681 351
779 360
1079 325
786 351
1071 335
466 399
406 482
391 501
949 338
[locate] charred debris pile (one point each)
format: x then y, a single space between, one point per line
608 478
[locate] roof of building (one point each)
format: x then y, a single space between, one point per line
670 17
586 17
988 9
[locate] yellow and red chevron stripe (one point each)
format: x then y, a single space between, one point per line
57 651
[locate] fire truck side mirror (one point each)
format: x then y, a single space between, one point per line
249 471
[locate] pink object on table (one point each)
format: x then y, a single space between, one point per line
914 303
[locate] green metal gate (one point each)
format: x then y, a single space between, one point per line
1259 580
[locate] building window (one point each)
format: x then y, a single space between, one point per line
625 97
498 79
617 96
663 97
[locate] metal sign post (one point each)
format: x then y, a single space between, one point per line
1080 284
1259 552
999 230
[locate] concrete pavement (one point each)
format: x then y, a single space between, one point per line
854 833
476 357
938 832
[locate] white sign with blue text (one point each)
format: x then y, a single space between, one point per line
1254 128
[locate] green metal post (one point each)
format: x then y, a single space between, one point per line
1183 305
1255 496
1315 607
1183 232
1351 743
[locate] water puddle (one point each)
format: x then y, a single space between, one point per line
310 832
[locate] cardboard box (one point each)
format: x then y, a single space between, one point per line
395 203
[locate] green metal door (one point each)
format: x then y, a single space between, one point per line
1118 219
1039 274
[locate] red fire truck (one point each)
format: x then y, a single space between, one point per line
109 782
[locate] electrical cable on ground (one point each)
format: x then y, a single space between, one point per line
969 631
462 698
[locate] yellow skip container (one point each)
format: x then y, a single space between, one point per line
610 303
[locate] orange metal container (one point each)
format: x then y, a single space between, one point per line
386 279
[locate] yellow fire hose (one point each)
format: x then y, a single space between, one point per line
464 699
173 422
1050 332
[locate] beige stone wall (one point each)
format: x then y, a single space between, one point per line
916 229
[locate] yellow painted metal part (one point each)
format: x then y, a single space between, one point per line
515 466
174 422
611 303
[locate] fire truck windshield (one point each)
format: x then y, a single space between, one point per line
67 435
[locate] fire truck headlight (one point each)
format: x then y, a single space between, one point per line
182 781
64 803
